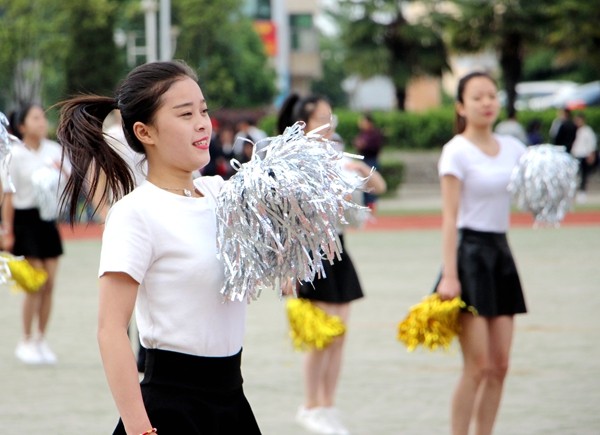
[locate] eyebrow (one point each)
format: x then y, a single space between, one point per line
179 106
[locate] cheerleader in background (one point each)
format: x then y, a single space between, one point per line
25 233
159 255
475 169
332 294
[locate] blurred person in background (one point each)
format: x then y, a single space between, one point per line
534 135
512 127
25 232
585 150
332 293
369 142
475 168
563 130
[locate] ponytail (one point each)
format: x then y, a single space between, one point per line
80 133
286 113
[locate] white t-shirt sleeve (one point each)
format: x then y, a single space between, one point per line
210 185
126 243
451 162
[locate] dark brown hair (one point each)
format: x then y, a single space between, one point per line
80 131
296 109
461 123
17 118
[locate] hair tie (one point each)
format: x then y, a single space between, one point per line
116 103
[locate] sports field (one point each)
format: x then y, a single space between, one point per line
553 387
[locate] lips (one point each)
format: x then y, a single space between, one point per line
202 143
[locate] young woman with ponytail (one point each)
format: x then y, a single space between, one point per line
28 231
333 293
159 256
475 169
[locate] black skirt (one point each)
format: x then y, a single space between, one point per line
341 284
488 275
194 395
34 237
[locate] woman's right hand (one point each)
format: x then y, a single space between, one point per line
288 286
448 288
8 241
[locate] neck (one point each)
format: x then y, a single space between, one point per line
176 180
478 134
32 143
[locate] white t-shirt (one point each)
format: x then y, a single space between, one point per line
168 243
585 142
24 163
484 198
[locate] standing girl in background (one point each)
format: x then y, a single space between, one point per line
159 255
332 294
25 233
475 169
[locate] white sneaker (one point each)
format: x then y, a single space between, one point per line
48 357
28 352
333 414
315 420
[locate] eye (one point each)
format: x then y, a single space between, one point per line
205 111
187 114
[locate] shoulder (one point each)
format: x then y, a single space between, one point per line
134 205
210 184
458 144
511 143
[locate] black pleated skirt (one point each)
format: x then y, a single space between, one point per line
488 275
340 285
193 395
34 237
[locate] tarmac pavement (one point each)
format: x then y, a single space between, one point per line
553 387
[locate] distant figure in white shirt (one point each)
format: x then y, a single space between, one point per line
585 150
512 127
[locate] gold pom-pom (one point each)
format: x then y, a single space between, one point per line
433 323
20 272
310 326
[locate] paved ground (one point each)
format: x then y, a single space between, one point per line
553 387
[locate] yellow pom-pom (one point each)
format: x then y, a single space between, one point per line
311 327
21 272
433 323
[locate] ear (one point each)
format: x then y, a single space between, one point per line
460 109
144 133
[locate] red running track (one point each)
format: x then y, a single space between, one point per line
379 223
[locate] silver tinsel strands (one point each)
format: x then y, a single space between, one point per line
544 183
6 141
277 216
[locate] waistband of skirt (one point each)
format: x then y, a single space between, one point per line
486 235
191 371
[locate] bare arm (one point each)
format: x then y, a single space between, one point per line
117 298
449 286
8 219
376 184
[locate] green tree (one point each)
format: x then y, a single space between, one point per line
222 45
334 73
92 64
510 27
380 40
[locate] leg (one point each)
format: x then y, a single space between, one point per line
32 302
51 266
499 342
474 345
333 366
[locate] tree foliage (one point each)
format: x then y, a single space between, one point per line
228 54
510 27
380 40
334 73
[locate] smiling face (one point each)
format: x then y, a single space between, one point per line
178 137
480 105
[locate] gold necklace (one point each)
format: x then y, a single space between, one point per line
186 192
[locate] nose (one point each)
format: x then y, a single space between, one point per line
203 123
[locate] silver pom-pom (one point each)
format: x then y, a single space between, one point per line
6 142
544 183
46 185
277 216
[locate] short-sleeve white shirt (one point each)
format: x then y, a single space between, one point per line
484 198
24 163
167 243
